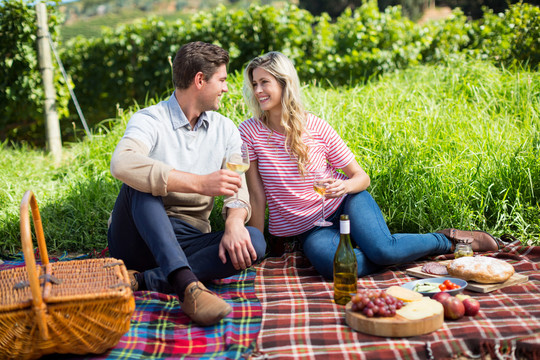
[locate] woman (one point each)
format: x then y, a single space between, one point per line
286 146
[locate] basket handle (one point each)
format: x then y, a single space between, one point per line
28 250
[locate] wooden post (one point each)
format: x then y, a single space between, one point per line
52 125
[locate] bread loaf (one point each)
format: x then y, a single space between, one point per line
482 269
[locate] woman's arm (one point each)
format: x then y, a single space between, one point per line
257 196
358 180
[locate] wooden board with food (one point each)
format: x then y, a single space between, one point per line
401 312
408 313
483 274
396 326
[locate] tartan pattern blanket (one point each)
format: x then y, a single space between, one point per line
160 330
301 321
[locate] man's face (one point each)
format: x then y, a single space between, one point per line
213 89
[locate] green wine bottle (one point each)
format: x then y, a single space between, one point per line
345 265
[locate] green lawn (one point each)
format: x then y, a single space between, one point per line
453 145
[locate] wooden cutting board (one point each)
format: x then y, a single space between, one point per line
396 326
472 285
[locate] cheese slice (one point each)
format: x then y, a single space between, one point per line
403 294
421 309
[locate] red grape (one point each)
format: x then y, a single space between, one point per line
375 303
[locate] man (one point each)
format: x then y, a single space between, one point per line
170 161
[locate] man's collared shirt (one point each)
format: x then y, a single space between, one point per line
166 131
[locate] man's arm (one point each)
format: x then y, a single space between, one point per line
221 182
131 164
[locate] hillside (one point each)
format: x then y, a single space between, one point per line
87 17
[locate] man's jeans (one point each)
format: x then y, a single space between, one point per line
147 240
376 247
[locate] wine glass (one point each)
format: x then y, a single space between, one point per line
239 163
321 179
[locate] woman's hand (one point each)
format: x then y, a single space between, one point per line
336 189
357 181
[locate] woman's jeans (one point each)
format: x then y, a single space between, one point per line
147 240
376 247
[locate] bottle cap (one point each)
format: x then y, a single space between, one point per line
344 224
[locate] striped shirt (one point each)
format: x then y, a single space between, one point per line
292 203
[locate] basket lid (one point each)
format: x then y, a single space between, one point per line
66 280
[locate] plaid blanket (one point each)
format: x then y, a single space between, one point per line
160 330
301 321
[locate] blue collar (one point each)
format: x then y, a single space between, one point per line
179 119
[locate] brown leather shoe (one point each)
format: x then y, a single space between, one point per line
133 280
481 240
203 306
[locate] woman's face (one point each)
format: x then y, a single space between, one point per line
267 90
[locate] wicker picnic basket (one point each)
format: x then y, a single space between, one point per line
74 307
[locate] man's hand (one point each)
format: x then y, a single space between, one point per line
237 242
221 182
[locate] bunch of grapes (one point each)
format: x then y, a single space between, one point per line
375 303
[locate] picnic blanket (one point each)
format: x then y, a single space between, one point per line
160 330
301 321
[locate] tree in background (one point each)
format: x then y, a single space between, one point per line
21 89
413 9
474 10
332 8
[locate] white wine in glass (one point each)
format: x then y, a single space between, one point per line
321 179
320 188
239 163
237 168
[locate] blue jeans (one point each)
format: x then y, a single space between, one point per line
376 247
147 240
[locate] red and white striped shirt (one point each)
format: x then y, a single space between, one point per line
292 203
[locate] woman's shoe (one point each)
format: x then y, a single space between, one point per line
481 240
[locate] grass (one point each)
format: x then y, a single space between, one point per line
453 145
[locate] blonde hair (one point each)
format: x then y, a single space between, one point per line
293 116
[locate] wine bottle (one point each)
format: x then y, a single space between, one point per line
345 265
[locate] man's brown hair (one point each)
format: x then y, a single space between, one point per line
194 57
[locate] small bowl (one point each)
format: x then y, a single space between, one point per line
439 280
